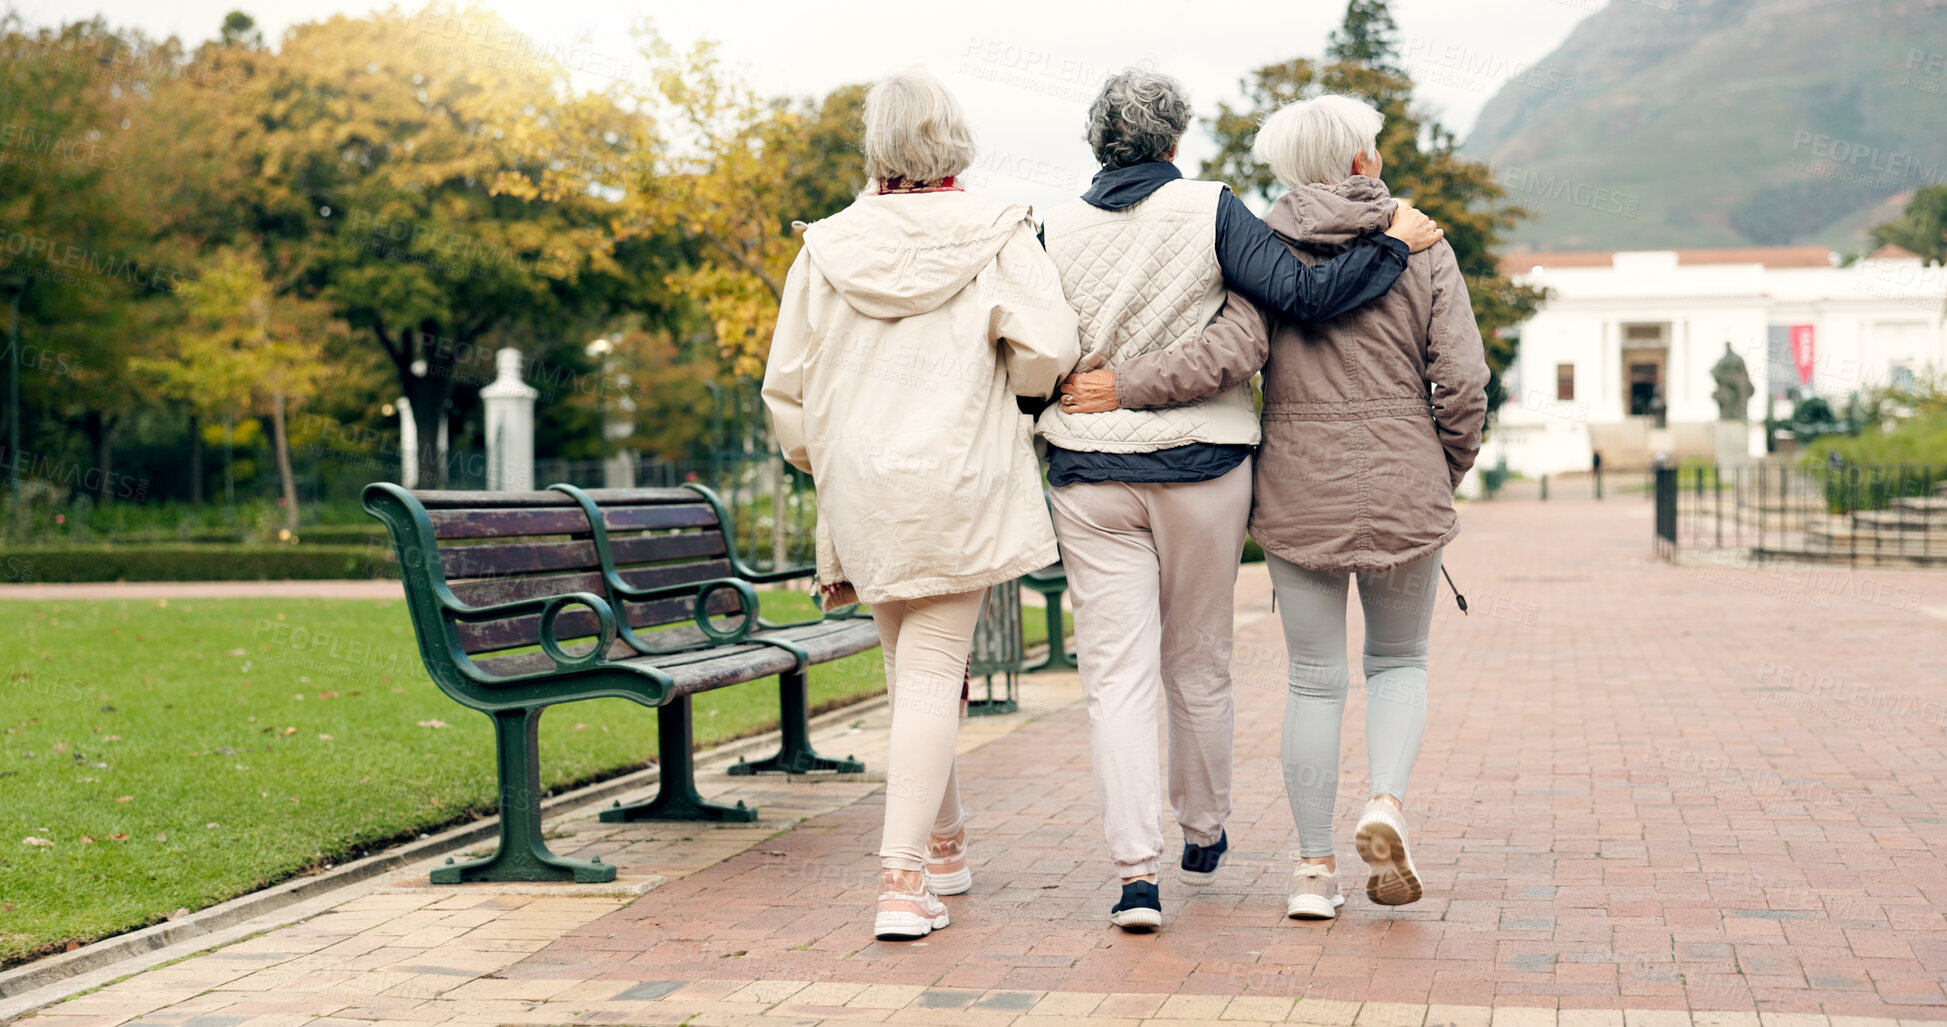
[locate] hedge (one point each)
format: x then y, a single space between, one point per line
189 562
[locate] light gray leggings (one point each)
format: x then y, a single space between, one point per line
1399 612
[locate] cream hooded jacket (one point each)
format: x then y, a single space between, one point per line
909 323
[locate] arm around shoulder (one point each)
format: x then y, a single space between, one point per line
1229 350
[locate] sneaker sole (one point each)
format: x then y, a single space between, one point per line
906 926
1138 921
1196 877
1393 881
960 882
1314 907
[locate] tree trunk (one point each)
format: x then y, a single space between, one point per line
283 446
429 393
428 410
101 432
195 460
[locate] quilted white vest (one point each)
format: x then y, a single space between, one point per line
1141 279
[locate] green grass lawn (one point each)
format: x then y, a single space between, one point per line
180 753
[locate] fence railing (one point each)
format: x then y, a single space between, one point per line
1850 513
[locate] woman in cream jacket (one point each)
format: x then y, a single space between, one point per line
910 322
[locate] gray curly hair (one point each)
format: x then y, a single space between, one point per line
1139 116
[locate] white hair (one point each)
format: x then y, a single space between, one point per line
915 130
1315 140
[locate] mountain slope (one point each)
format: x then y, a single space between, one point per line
1725 123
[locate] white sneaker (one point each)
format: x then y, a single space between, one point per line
1315 893
1382 844
904 916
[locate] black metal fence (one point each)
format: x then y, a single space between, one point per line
1850 513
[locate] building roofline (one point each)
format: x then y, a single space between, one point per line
1766 256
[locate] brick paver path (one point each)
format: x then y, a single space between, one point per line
1642 786
1648 796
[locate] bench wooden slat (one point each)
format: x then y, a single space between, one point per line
499 523
579 622
449 500
508 588
702 670
529 557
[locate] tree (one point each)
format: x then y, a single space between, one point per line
1921 228
737 172
440 196
1368 37
1420 163
96 275
246 345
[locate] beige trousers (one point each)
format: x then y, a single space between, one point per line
1151 569
925 643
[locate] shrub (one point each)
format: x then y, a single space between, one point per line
189 562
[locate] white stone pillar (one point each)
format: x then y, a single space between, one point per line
408 445
510 426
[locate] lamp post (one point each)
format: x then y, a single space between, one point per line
15 284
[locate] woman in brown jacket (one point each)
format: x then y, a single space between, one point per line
1370 420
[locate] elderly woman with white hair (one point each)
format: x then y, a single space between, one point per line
910 322
1369 422
1150 505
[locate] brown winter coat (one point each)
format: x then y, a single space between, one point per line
1370 419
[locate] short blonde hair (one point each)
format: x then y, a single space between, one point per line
1314 141
915 130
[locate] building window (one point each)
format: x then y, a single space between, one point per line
1565 381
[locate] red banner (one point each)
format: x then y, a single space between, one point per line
1802 352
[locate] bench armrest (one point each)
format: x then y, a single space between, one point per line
549 607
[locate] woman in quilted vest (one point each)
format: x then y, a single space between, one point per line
1370 420
1151 504
910 322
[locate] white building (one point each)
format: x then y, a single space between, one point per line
1624 328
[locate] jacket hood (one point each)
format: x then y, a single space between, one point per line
1330 217
902 254
1124 187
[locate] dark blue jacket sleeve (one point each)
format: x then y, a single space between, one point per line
1256 263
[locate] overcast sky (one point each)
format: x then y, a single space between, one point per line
1024 70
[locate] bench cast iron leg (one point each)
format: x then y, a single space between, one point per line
795 754
1058 657
677 799
522 855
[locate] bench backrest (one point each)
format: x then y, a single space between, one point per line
500 547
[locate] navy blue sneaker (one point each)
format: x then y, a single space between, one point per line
1141 908
1200 862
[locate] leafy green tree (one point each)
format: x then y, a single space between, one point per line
1368 37
94 275
246 345
1921 228
734 168
1420 163
443 198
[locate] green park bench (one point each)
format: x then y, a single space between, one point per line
525 600
1051 581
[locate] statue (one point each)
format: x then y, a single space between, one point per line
1734 389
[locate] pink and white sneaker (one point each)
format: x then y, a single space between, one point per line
946 865
905 916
